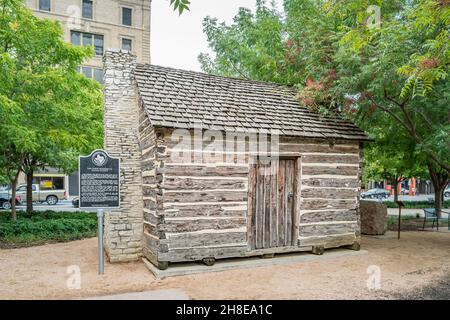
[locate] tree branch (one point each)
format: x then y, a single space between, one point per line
413 134
390 112
238 71
429 123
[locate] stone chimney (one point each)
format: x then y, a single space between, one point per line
123 227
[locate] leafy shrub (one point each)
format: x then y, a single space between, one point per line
416 204
412 223
42 227
393 220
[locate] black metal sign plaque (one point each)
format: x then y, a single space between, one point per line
99 181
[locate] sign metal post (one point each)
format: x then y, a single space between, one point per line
99 186
101 260
400 206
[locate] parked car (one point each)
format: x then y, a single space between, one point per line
76 202
405 191
43 195
375 194
5 201
447 193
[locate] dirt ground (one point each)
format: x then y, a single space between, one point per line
416 267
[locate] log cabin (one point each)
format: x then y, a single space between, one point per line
215 167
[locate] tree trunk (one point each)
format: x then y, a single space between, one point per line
30 190
440 180
13 196
394 184
438 196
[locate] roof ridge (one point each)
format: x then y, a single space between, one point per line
217 76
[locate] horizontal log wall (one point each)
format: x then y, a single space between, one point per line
331 176
202 194
150 189
204 202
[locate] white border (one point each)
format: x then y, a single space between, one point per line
79 180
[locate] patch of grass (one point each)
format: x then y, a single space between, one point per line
417 204
42 227
392 220
409 223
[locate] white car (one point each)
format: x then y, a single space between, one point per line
447 193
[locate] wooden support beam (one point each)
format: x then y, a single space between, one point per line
210 261
355 246
318 250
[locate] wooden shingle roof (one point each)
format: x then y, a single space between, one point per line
186 99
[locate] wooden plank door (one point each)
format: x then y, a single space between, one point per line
272 204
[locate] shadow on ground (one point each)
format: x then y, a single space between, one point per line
439 290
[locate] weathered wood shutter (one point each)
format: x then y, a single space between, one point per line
274 203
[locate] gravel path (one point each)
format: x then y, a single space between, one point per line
416 267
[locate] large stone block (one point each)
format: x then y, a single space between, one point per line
373 217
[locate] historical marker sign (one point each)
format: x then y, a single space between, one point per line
99 181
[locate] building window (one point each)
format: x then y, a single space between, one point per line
127 14
92 73
98 45
87 71
44 5
88 39
98 75
75 38
126 44
87 9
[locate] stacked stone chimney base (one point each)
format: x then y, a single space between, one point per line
123 227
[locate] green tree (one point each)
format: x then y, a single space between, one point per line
252 47
376 65
393 157
49 112
342 60
400 69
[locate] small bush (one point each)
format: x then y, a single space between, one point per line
412 223
42 227
393 220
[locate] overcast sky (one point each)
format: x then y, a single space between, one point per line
177 40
